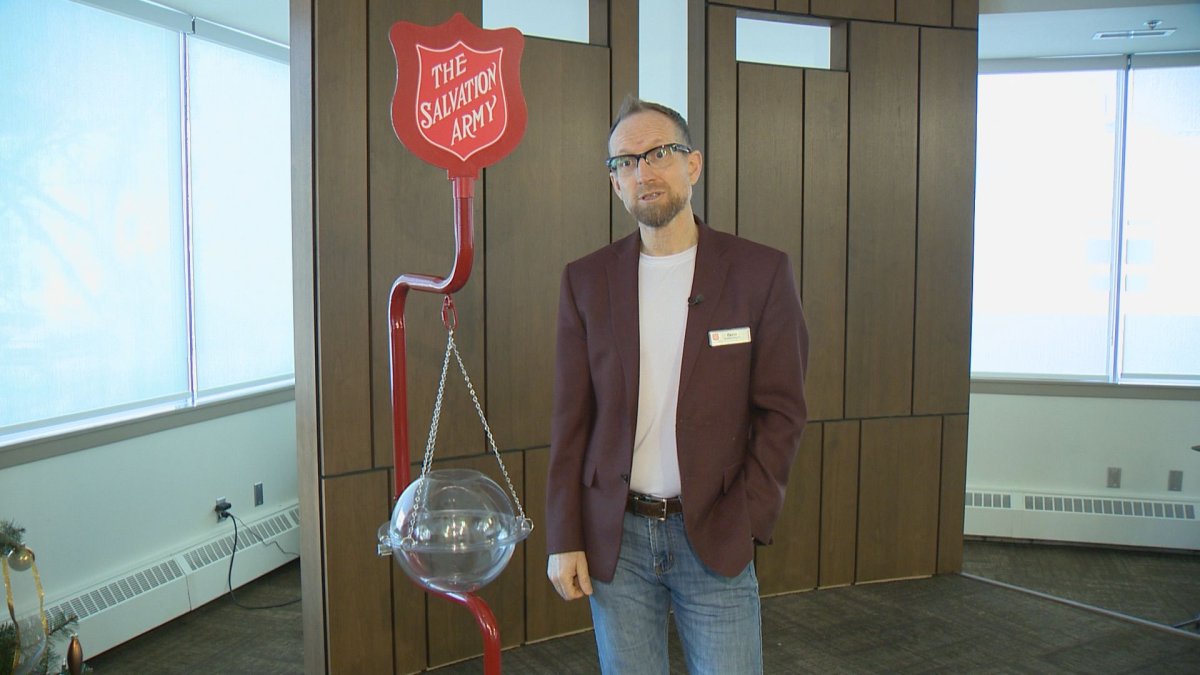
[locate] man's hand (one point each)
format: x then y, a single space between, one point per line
569 574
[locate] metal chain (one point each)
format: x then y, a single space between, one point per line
431 441
483 420
452 347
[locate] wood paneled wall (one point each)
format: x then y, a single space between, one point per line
864 176
366 211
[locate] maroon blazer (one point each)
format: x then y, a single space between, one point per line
740 413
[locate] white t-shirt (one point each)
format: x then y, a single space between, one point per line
664 284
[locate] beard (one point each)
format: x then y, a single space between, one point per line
658 213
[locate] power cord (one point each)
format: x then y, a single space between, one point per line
226 513
274 542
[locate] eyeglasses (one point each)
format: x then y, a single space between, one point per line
625 165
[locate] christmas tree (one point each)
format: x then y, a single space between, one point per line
16 557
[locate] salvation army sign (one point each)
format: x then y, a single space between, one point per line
458 102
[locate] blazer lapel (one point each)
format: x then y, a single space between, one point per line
707 281
623 308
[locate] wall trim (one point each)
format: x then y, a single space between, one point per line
38 449
1085 390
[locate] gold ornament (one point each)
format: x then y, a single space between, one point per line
75 656
20 559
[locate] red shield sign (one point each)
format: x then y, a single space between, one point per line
458 102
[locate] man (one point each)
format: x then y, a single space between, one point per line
678 410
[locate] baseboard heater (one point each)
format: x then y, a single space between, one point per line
1082 518
144 598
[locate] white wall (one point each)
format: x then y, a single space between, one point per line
97 513
1064 445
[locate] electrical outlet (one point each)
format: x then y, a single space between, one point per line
1114 476
258 494
222 508
1175 481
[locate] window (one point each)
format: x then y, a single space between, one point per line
557 19
784 43
120 243
1085 222
663 53
241 224
1161 290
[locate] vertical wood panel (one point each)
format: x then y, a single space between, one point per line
823 286
342 320
409 609
546 614
548 205
898 498
453 634
409 606
412 230
882 214
358 583
954 485
838 40
721 163
598 23
308 465
924 12
697 93
624 54
771 158
873 10
945 213
623 41
839 503
790 562
966 13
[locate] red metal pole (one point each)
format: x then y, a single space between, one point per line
487 628
464 255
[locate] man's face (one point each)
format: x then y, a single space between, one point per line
654 195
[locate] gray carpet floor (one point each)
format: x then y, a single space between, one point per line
1163 587
946 624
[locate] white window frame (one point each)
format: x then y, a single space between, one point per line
43 439
1114 385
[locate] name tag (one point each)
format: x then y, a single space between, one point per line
728 336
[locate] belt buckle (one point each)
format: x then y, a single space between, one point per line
660 503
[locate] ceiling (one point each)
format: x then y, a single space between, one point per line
1029 28
1007 28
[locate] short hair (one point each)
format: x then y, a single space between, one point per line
633 105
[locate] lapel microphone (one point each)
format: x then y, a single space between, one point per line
695 299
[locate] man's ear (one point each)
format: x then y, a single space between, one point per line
612 178
695 165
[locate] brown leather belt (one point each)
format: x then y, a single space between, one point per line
652 507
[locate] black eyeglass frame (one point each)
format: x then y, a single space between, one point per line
673 147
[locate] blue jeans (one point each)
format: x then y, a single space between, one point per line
718 618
